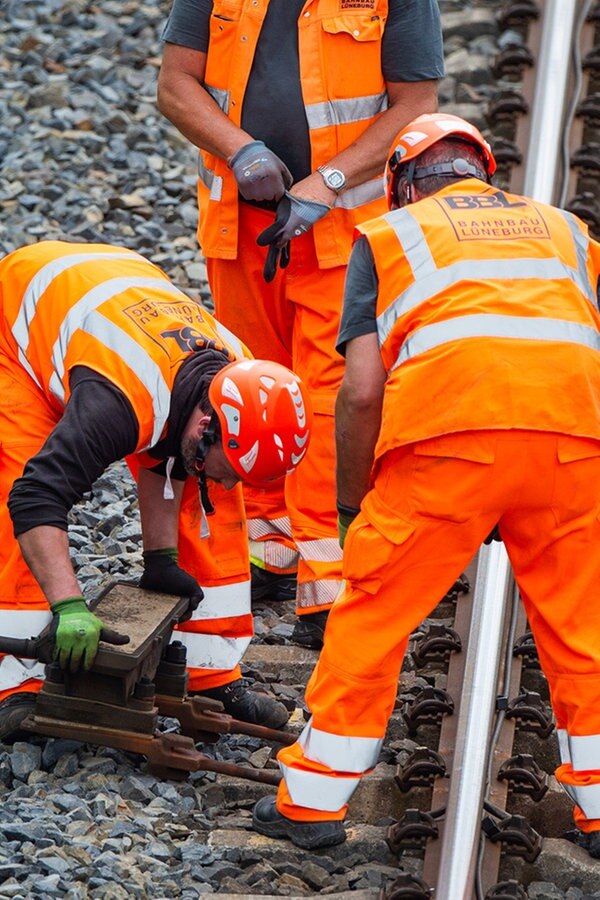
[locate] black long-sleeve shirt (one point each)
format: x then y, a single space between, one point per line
97 428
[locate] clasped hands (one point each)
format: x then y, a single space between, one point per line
262 176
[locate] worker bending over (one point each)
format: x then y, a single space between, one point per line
102 357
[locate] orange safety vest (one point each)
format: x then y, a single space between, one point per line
487 316
344 92
106 308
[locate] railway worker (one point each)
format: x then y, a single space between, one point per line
293 104
471 397
101 356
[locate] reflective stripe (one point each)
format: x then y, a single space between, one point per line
317 593
582 246
213 182
363 193
211 651
414 245
563 745
492 326
584 752
322 550
224 602
110 335
273 555
318 791
13 671
586 796
343 112
21 623
221 97
474 270
341 753
258 528
37 286
41 281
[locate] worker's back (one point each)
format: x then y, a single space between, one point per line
487 316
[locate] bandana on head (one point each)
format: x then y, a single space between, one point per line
191 383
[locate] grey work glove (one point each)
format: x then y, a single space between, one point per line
163 574
259 172
294 216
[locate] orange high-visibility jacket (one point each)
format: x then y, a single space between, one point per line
344 92
106 308
487 316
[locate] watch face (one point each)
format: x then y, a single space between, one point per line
335 179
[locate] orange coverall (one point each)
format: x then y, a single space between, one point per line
55 301
489 332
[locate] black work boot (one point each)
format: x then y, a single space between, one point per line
589 841
309 630
308 835
246 705
13 709
272 585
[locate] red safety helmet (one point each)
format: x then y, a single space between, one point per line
424 132
265 418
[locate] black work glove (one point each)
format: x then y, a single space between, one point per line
161 573
259 172
77 632
494 535
293 217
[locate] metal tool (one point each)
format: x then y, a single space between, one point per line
118 702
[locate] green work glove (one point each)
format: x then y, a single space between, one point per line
346 516
77 634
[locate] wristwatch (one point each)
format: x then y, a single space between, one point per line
333 178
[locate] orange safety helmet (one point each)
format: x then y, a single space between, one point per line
424 132
265 418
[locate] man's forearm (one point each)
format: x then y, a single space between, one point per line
159 517
187 104
45 549
355 438
366 157
358 418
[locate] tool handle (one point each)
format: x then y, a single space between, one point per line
23 647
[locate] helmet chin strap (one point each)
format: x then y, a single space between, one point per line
208 439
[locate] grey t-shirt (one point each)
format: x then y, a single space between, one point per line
360 296
273 111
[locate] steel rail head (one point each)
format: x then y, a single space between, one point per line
467 779
549 104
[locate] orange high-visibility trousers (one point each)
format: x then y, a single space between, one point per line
293 320
431 506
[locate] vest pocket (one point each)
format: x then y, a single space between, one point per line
226 10
359 26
